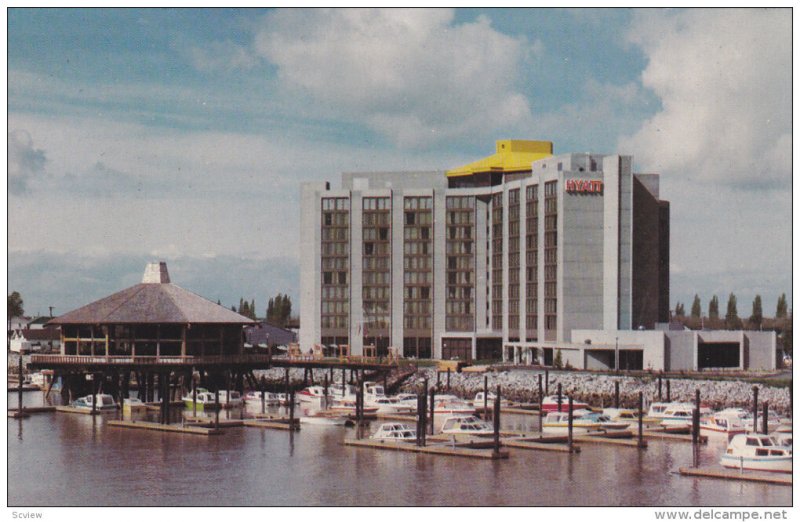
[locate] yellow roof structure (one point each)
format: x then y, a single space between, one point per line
511 156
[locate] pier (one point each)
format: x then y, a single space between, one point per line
783 479
449 450
171 428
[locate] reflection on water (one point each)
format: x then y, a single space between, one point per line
63 459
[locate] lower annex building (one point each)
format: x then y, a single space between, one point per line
518 255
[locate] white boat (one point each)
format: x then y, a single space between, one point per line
745 417
133 404
389 405
102 401
628 416
757 452
395 431
466 425
677 415
348 407
551 404
558 423
312 394
205 399
720 424
783 438
373 391
323 419
234 401
450 404
337 391
407 399
254 398
283 399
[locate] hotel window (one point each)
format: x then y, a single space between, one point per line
418 261
335 264
550 259
460 263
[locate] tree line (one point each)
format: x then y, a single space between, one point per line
278 312
781 322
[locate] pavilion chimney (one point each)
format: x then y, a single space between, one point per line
156 273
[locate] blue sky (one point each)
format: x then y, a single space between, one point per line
183 135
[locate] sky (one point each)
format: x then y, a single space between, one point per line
183 135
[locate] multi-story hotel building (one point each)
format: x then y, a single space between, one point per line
506 256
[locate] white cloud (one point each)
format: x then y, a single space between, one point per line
25 162
724 80
221 56
411 75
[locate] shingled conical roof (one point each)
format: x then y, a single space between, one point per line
154 300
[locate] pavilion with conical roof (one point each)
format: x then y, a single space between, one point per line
152 318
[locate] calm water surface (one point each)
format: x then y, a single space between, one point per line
62 460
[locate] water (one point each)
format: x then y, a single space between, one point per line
57 459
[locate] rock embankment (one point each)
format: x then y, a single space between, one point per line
598 390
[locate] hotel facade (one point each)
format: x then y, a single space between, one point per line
519 255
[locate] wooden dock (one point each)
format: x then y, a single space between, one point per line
205 422
783 479
34 409
277 424
397 417
603 438
540 445
80 411
447 450
660 433
172 428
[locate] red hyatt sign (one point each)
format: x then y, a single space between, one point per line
585 186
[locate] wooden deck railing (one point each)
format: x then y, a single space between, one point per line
191 360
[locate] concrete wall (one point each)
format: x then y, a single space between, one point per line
310 262
682 350
762 350
646 295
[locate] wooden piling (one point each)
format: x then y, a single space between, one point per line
547 382
696 418
569 422
194 398
94 396
344 381
541 398
325 392
485 396
755 409
641 420
559 397
216 407
432 402
420 416
496 421
263 394
659 388
21 380
616 394
764 418
669 399
291 407
448 379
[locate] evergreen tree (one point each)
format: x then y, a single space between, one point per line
557 362
713 308
696 310
758 316
15 308
233 308
680 311
780 312
252 309
787 337
732 316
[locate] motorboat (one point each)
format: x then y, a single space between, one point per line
720 424
373 391
783 438
283 399
133 404
759 452
622 415
450 404
389 405
490 398
551 403
312 394
324 419
407 399
339 391
255 398
348 407
677 415
745 417
394 431
234 400
558 422
205 400
603 421
466 425
102 401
